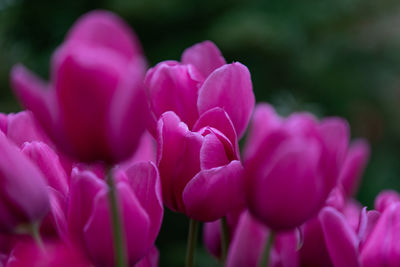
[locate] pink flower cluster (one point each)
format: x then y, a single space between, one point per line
293 184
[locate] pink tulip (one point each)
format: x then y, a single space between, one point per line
202 81
292 164
89 221
23 194
249 239
52 254
200 170
94 106
354 165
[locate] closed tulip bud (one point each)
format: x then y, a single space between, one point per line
96 73
23 192
200 82
200 170
292 165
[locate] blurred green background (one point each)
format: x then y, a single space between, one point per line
329 57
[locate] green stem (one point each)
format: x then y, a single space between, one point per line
224 239
36 235
191 243
267 251
119 244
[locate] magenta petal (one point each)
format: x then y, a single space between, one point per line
248 242
23 192
382 247
291 178
145 182
129 113
212 237
205 56
84 187
340 239
48 162
103 28
264 121
217 118
173 87
212 153
335 135
23 127
86 80
213 193
178 158
385 199
367 222
230 88
98 234
353 167
35 95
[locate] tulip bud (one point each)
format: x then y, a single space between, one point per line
292 165
96 73
202 81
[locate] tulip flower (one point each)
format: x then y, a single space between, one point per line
200 170
89 219
23 192
94 106
199 83
292 165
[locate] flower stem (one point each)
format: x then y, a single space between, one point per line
224 239
191 243
267 251
119 244
36 235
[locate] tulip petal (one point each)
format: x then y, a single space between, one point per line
213 193
291 177
353 167
23 127
151 259
35 95
86 79
230 88
83 189
340 239
3 123
248 242
178 158
173 87
382 247
103 28
212 153
212 237
385 199
49 164
217 118
145 182
128 114
205 56
18 174
335 134
264 121
135 225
